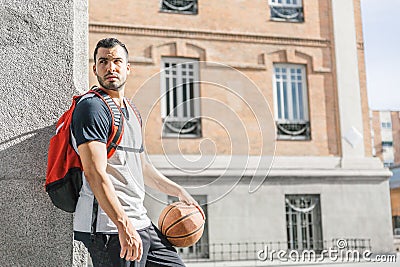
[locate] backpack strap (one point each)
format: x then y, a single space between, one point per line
137 113
117 128
135 109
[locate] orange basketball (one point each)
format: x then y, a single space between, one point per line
182 224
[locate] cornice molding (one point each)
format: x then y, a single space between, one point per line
289 167
204 35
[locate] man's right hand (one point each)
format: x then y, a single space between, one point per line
131 243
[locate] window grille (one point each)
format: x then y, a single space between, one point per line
303 222
387 143
396 231
291 102
179 6
180 107
287 10
388 164
396 225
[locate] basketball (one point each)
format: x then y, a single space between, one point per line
182 224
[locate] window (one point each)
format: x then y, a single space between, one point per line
386 125
287 10
201 248
396 232
179 6
396 225
180 105
388 164
387 143
291 102
303 222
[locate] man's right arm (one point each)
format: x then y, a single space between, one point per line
94 161
91 124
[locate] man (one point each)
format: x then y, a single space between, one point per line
120 234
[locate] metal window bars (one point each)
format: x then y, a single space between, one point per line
293 129
179 6
287 10
180 98
182 127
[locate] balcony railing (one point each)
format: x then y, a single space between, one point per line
287 13
179 6
245 251
182 127
293 130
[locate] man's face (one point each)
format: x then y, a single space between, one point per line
111 68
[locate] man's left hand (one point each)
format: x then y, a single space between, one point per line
185 197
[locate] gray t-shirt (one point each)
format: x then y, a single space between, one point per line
92 121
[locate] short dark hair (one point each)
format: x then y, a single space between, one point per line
109 43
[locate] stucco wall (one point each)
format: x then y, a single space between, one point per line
349 209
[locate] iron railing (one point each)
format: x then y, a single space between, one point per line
245 251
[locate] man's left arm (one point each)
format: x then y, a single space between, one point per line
156 180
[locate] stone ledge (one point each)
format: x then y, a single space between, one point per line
102 27
226 166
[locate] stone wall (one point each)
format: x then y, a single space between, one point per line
44 56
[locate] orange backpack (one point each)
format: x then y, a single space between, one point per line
64 167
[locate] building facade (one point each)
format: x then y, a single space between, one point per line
386 136
235 91
386 146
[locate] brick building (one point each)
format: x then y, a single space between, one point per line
395 203
206 72
386 136
386 146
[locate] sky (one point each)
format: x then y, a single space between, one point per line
381 27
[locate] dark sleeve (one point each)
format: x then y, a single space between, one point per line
91 121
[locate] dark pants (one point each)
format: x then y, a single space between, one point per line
104 250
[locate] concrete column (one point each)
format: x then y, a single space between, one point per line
44 62
348 81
